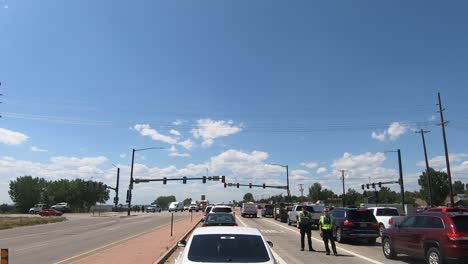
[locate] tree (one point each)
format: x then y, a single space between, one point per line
326 194
248 197
164 201
353 197
314 191
388 196
187 201
440 186
458 187
26 191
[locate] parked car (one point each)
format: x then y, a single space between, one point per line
267 210
50 212
221 209
153 208
37 208
225 245
220 219
355 223
186 207
383 215
207 211
63 207
194 207
176 206
436 236
249 209
316 210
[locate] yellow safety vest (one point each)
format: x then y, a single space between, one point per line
326 226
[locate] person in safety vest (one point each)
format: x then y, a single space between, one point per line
326 224
305 226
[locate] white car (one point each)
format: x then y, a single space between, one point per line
383 216
226 245
194 207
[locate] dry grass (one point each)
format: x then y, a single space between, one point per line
10 222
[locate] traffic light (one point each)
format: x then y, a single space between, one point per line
223 179
164 180
225 185
373 185
250 185
263 186
380 184
362 186
204 179
184 180
367 186
237 185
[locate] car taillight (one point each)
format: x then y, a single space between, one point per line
348 223
390 221
375 224
455 236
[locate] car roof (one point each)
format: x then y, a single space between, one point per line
213 230
222 206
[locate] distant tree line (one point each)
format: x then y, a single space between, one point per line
80 194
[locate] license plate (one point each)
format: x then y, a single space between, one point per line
363 225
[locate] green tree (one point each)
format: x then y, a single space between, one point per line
164 201
440 186
314 191
248 197
458 187
388 196
325 194
353 197
26 191
187 201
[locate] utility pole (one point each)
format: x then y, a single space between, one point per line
429 181
443 123
130 186
402 188
301 189
116 198
344 194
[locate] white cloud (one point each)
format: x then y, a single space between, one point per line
78 162
174 132
187 144
37 149
363 166
174 152
209 130
146 130
11 137
178 122
310 165
438 162
394 131
321 170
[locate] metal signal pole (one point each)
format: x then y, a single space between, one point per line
429 181
442 123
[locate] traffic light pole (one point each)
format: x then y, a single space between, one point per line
402 188
130 186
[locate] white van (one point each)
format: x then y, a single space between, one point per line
176 206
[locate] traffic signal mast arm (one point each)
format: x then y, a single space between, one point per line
184 179
379 184
250 185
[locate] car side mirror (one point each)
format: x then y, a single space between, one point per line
270 243
182 243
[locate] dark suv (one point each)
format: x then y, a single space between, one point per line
267 210
435 236
355 223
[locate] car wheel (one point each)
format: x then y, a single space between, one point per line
381 229
339 237
433 256
387 249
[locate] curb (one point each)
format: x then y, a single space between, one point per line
168 253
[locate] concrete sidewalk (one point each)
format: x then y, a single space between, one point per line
142 248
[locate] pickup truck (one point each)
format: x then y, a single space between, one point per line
383 216
249 209
62 207
316 211
37 208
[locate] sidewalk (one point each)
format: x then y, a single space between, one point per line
141 249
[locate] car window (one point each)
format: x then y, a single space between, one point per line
387 212
220 218
361 215
432 222
208 209
221 210
228 248
299 208
409 222
461 223
338 213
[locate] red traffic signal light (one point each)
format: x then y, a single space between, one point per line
380 184
225 185
164 180
263 186
204 179
223 179
367 185
362 186
184 180
237 185
250 185
373 185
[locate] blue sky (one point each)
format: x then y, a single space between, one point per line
230 86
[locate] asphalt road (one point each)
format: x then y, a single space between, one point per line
286 244
79 236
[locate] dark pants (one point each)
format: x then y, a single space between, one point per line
306 230
328 235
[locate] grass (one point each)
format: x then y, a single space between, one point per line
10 222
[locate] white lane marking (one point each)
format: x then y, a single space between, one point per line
38 245
48 232
340 248
275 255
